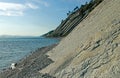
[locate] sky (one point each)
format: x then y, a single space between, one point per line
33 17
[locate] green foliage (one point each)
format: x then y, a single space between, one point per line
76 8
87 6
74 18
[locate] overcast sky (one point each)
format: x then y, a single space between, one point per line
33 17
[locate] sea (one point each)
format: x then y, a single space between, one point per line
14 49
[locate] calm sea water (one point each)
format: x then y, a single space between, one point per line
14 49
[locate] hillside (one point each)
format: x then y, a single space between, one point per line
73 19
92 49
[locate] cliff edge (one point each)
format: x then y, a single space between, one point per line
92 49
73 19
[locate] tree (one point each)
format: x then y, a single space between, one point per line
69 12
76 8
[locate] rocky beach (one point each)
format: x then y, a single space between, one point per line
29 66
90 50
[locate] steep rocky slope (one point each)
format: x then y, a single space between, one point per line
73 19
92 49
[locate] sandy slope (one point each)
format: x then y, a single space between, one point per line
92 49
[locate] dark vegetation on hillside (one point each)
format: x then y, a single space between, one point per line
73 19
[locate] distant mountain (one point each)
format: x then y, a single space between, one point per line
16 36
